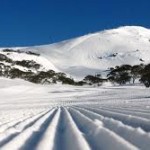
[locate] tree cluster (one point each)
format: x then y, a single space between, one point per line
20 51
120 74
127 73
90 79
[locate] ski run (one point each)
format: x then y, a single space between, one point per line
61 117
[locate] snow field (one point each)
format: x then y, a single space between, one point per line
60 117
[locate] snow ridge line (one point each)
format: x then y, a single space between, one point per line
14 130
47 140
68 134
97 135
76 127
136 136
126 119
20 139
19 125
128 112
128 108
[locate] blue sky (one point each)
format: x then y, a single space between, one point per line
35 22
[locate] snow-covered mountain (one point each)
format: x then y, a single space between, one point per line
92 53
75 117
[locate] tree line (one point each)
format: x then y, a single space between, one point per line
124 74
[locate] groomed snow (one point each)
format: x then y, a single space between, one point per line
64 117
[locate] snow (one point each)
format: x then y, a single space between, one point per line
71 117
92 53
45 64
64 117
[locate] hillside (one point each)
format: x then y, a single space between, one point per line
89 54
92 53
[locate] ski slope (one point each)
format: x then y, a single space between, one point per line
58 117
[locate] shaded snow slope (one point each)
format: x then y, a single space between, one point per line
42 61
66 117
94 53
